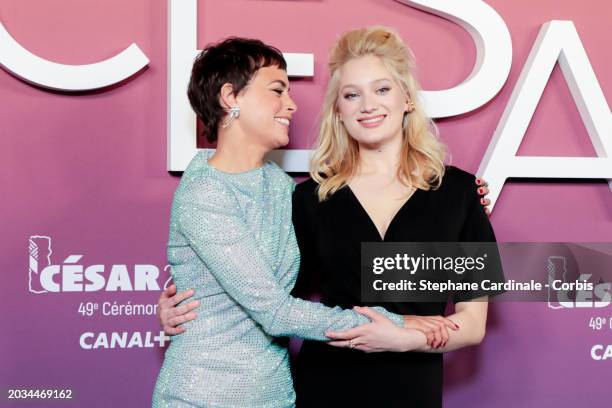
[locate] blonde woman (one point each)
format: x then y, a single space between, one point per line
378 174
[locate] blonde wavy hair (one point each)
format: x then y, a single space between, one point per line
336 156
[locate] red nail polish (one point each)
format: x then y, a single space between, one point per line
478 181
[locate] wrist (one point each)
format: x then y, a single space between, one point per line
407 319
414 340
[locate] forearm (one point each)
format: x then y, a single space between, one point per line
300 318
296 317
471 321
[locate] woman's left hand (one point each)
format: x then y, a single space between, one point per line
381 334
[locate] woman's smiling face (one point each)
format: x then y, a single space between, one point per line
371 104
266 108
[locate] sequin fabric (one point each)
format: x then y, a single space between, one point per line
232 241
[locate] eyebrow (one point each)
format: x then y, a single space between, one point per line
372 82
283 83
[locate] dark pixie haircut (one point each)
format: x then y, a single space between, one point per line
233 60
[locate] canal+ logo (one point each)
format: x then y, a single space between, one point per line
73 276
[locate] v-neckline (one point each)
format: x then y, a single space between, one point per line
371 220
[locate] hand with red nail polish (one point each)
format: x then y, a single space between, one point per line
483 191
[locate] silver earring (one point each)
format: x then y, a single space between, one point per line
234 113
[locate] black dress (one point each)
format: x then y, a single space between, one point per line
329 236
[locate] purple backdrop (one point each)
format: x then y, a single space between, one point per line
87 172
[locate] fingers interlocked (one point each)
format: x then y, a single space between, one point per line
435 328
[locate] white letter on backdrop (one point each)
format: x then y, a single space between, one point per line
182 49
39 71
557 40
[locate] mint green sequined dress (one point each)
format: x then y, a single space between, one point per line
232 241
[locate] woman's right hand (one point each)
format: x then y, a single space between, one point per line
435 328
172 316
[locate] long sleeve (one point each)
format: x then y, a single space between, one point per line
214 226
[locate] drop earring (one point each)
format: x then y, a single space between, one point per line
234 113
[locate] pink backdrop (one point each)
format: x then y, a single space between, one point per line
88 170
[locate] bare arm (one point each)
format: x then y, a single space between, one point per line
383 335
471 317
